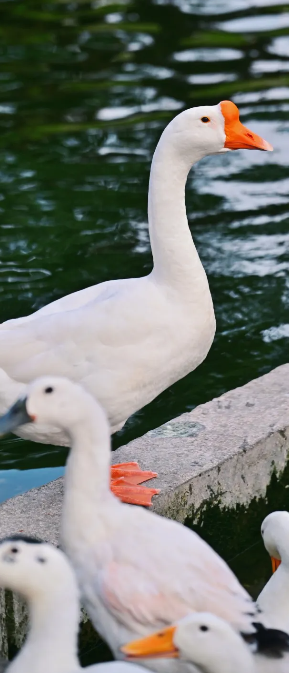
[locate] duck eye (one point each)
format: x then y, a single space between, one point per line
205 120
14 550
204 628
49 389
40 559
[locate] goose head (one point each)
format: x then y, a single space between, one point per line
51 400
275 534
36 570
210 129
203 639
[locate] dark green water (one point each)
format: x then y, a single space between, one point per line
85 92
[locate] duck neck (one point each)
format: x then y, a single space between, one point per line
51 645
284 551
224 657
87 476
176 261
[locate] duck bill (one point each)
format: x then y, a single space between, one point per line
237 135
16 416
275 563
159 644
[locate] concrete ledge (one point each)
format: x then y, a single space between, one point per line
229 445
224 451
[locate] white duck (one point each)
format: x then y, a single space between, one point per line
208 642
137 571
274 598
44 577
203 639
126 341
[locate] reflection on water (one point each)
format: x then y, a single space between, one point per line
85 91
19 481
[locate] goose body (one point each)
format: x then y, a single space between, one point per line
126 341
274 598
137 571
45 579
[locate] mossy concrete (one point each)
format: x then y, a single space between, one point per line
221 468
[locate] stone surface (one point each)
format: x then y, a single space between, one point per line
225 450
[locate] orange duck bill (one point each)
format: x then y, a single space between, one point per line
275 563
237 135
159 644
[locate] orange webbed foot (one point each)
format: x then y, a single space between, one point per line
131 472
125 484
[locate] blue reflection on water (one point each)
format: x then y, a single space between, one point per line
14 482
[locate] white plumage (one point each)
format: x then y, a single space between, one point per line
126 341
137 571
45 579
208 642
274 598
203 639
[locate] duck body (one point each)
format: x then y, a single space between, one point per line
168 338
265 665
137 571
274 598
126 341
139 575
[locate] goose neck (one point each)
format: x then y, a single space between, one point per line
175 257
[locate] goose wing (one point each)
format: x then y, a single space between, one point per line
104 333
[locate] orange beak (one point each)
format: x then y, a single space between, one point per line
275 563
238 136
159 644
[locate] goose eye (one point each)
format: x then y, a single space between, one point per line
40 559
14 550
204 628
205 120
49 389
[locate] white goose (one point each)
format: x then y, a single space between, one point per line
208 642
126 341
44 577
138 572
274 599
